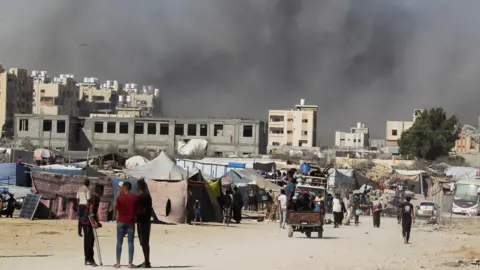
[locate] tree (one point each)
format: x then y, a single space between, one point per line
432 135
27 144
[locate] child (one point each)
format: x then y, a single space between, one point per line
198 213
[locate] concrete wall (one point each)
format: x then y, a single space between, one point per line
225 137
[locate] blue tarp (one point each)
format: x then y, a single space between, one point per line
115 182
13 174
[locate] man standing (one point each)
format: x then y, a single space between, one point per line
127 205
144 217
282 208
337 211
408 218
83 195
89 223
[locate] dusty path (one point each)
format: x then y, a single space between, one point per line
55 245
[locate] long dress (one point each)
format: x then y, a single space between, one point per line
237 206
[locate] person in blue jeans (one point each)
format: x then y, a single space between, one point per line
197 212
126 208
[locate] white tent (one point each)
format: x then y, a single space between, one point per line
160 168
135 162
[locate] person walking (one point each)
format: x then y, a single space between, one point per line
408 218
126 207
377 210
337 211
144 223
89 223
83 195
356 209
282 208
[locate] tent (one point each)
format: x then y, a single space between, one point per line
160 168
135 161
87 171
59 194
173 201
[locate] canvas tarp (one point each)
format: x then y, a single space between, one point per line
87 171
62 190
169 199
135 161
160 168
256 178
341 178
460 173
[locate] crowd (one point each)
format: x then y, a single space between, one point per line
344 208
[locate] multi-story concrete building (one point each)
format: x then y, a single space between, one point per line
96 98
357 138
15 96
146 99
468 141
225 137
295 127
395 130
57 96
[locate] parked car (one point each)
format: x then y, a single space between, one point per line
428 210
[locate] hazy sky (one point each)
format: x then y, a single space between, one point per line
368 60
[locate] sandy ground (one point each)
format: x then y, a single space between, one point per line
254 245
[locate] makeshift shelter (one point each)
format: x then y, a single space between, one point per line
459 173
135 161
160 168
59 194
341 178
257 179
173 201
87 171
268 167
13 174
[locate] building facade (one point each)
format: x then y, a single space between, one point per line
226 137
357 138
16 92
57 96
292 128
394 130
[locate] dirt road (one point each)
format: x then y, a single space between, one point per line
55 245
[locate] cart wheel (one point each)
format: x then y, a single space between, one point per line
320 233
308 234
290 231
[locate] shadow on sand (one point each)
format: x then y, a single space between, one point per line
24 256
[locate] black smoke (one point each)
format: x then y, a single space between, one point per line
369 60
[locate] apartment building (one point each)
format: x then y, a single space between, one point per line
55 96
394 130
468 141
292 128
15 96
98 98
146 98
357 138
226 137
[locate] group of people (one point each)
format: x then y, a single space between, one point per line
131 211
351 206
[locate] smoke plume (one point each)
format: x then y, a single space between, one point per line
369 60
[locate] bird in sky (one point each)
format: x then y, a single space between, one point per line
83 45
